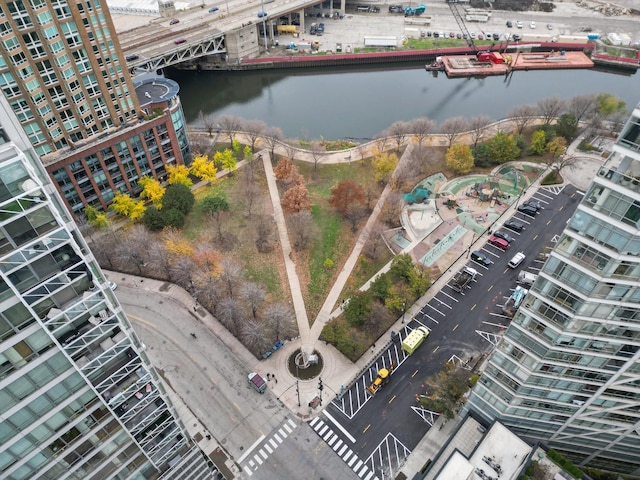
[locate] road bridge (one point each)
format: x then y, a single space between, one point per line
226 36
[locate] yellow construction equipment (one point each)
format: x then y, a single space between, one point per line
384 375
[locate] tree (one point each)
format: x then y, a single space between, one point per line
229 313
318 151
227 159
570 162
254 336
179 174
208 122
296 199
385 164
502 148
125 205
173 217
254 295
478 127
159 259
215 205
264 230
229 125
567 126
355 213
207 262
422 128
523 116
302 229
152 190
131 249
180 197
582 106
273 137
358 308
452 127
95 218
280 320
446 390
375 243
459 158
153 219
347 192
556 148
538 142
203 168
254 129
230 276
287 173
399 131
549 108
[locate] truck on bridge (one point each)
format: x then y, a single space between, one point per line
463 279
384 375
513 302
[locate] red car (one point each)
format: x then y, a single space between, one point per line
501 243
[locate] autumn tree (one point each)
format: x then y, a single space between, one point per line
549 109
203 168
523 116
126 206
384 165
207 263
347 192
459 158
453 127
95 218
478 128
446 390
538 142
421 128
179 174
230 276
287 173
152 190
226 159
502 148
302 229
215 206
556 148
296 199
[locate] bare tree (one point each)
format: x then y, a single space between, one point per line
453 127
229 313
362 150
254 295
208 122
230 276
569 162
229 125
273 136
254 336
381 142
375 245
280 320
523 116
208 293
264 230
422 128
103 247
550 108
302 229
254 129
399 131
132 249
390 213
355 213
582 106
159 259
318 151
291 150
182 271
478 128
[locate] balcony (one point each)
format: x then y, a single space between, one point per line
623 171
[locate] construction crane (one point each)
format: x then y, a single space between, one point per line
453 5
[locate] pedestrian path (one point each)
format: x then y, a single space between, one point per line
339 446
266 447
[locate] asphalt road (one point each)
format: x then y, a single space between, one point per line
385 427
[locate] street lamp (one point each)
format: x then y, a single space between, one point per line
404 309
297 382
264 27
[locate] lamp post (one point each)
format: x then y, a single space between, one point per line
404 309
297 382
264 27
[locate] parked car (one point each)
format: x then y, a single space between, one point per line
513 225
509 24
174 21
516 37
480 36
459 36
396 9
452 35
480 258
533 204
519 24
532 25
503 235
528 210
113 285
262 14
550 26
496 36
473 35
132 57
498 242
213 9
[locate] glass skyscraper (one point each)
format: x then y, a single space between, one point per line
567 372
78 397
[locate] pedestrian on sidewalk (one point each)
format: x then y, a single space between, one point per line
193 335
268 376
274 378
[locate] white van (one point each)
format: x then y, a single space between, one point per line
517 259
526 278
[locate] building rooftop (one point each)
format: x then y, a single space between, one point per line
156 89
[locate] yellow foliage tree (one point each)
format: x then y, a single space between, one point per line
385 164
179 174
203 168
152 190
127 206
459 158
176 243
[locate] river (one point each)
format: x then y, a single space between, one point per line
361 102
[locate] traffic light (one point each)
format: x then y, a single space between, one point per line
320 385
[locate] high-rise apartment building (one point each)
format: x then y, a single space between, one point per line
64 75
567 372
78 397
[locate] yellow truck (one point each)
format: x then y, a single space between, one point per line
384 375
287 29
412 341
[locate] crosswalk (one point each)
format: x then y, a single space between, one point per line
269 446
325 432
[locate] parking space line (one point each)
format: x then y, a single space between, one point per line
499 325
452 298
442 303
435 309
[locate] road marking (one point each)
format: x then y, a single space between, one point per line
368 477
366 428
275 435
268 448
436 349
258 459
282 432
344 447
358 465
414 374
248 470
293 424
264 455
489 289
535 237
549 222
333 440
561 208
352 461
454 328
340 427
337 445
255 444
324 429
328 435
347 455
138 319
474 306
392 399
